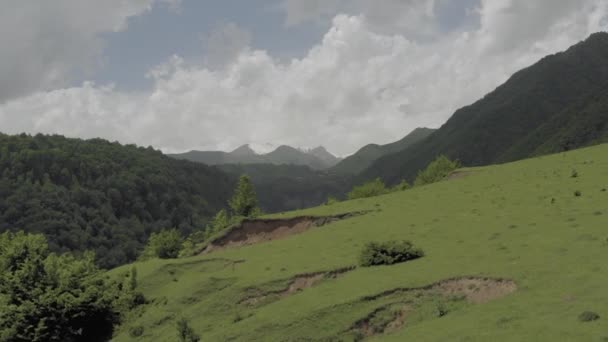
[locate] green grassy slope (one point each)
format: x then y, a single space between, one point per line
519 221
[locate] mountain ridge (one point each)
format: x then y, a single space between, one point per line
317 158
557 104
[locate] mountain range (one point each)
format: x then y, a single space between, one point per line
318 158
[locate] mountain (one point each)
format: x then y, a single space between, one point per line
102 196
317 158
363 158
322 154
557 104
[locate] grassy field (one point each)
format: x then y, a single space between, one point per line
520 221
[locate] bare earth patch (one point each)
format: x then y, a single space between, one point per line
476 290
392 317
459 174
296 284
255 231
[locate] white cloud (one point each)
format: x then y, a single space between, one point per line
358 85
46 43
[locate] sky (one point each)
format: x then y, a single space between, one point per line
215 74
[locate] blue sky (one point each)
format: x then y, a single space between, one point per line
154 36
202 74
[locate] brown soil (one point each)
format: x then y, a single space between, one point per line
254 231
296 284
476 290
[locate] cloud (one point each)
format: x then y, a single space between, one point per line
46 43
225 43
358 85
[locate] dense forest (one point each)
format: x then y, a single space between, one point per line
557 104
102 196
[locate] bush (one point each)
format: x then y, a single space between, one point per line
588 316
437 170
404 185
331 200
388 253
136 331
370 189
185 333
165 245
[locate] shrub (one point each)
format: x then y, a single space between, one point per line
437 170
388 253
404 185
372 188
331 200
185 333
577 193
588 316
136 331
165 245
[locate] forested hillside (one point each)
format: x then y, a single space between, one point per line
289 187
558 104
102 196
365 156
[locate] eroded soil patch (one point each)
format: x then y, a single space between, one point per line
254 231
265 294
432 301
459 174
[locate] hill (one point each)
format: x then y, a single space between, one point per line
317 158
557 104
364 157
513 252
102 196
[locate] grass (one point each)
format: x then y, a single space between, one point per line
518 221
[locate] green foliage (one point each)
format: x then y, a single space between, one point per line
185 333
102 196
436 171
404 185
388 253
244 201
370 189
49 297
588 316
165 244
331 200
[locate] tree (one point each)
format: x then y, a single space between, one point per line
49 297
244 202
165 244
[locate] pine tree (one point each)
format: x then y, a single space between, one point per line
244 202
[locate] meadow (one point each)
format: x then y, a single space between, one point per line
538 225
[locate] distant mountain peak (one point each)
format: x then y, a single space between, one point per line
243 150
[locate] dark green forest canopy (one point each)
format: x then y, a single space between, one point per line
102 196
